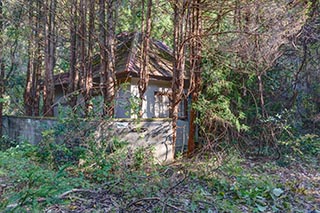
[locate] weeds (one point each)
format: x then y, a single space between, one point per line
128 180
71 170
28 184
305 148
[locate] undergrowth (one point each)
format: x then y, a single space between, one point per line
134 182
72 171
28 184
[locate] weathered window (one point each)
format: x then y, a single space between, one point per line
183 108
162 105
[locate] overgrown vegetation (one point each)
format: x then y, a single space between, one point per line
81 174
125 181
251 68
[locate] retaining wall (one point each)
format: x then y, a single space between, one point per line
148 132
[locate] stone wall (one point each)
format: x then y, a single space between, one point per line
148 132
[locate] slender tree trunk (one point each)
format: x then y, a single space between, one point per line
2 74
180 25
32 89
144 70
102 45
37 59
261 94
142 83
28 99
2 71
109 75
83 47
89 74
28 105
195 69
73 71
50 47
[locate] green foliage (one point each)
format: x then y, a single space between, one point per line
303 148
98 155
102 158
143 156
55 153
133 108
237 187
29 184
6 143
130 19
229 185
220 98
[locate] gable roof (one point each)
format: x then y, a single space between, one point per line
128 59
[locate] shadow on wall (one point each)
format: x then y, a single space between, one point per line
148 132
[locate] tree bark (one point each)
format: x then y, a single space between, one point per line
50 48
102 45
83 51
2 86
179 46
2 74
37 60
73 71
145 36
28 103
261 96
195 69
109 74
89 74
33 87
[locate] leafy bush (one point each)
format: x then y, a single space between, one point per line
305 148
6 143
29 185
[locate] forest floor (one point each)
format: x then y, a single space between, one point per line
204 184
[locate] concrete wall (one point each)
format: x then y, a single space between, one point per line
150 106
122 102
26 128
155 132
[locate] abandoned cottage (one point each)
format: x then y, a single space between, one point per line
156 102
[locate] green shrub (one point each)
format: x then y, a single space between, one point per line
30 186
305 148
6 143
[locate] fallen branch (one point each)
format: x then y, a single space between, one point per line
174 207
143 199
63 195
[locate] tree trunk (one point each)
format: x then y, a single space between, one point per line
261 95
37 60
32 89
142 83
109 75
102 46
50 47
83 47
2 74
28 105
144 70
73 71
89 74
195 69
180 25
